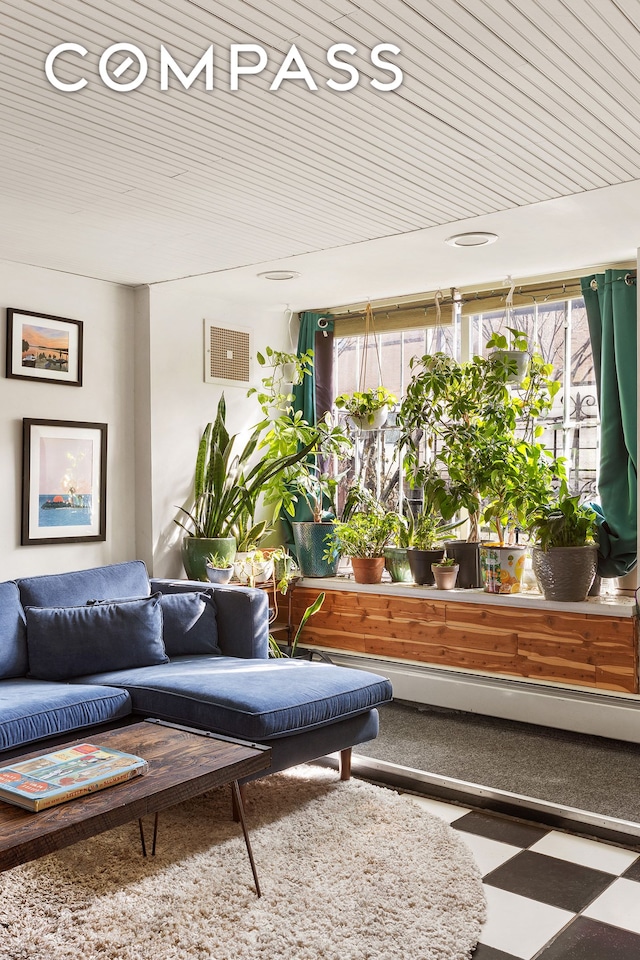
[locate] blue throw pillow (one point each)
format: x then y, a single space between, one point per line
66 642
190 623
13 643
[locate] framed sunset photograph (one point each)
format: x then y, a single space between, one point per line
43 347
64 481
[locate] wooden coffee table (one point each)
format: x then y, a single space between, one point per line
183 763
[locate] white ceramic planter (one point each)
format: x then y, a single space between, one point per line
249 570
378 419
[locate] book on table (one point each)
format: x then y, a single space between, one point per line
54 778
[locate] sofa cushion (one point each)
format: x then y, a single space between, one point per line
113 582
64 642
249 699
13 642
33 709
189 623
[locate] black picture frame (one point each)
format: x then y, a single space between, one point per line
70 458
53 351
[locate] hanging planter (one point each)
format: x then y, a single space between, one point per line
515 361
511 354
367 409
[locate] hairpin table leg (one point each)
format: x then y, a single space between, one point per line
155 837
239 806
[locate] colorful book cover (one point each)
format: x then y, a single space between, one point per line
73 772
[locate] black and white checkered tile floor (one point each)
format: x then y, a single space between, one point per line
550 895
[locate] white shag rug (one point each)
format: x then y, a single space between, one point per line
349 871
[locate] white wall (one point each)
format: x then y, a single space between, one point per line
181 403
105 397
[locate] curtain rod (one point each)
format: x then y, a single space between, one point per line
536 287
545 292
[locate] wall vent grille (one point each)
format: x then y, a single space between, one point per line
227 354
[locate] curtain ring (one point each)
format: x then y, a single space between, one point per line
594 284
629 279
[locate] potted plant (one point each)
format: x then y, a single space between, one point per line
445 572
511 353
219 568
426 547
253 566
367 409
363 538
306 488
396 558
471 443
565 558
282 372
227 485
275 650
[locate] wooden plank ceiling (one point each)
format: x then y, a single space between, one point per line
504 103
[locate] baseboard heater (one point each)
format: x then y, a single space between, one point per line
601 714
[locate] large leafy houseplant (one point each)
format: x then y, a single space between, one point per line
306 488
484 453
308 477
229 478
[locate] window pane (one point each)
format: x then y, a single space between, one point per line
571 427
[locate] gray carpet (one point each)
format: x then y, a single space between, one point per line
591 773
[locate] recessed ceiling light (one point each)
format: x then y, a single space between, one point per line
279 275
480 239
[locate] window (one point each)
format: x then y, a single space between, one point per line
560 331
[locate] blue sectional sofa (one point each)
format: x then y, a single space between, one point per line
108 645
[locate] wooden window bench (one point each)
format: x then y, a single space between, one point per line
590 645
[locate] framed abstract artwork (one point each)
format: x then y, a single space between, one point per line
43 347
64 481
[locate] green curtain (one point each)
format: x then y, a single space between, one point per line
611 302
304 394
315 330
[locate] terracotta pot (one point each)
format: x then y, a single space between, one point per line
367 569
445 576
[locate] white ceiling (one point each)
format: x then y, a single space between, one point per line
516 116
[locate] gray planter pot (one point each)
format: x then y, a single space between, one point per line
311 540
565 573
219 574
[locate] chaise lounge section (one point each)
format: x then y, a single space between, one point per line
109 645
